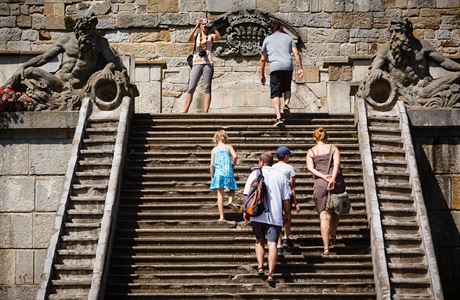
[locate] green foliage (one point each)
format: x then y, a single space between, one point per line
69 24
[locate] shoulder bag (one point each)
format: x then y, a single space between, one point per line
190 57
338 203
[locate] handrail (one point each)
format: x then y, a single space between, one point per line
85 110
379 261
422 215
111 201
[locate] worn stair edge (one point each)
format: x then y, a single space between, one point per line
381 277
86 106
113 192
424 224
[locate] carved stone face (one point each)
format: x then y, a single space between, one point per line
85 31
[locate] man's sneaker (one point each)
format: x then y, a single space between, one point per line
286 243
286 110
278 122
280 251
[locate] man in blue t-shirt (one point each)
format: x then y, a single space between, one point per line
277 49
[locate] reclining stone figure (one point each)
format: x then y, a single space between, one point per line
405 62
85 56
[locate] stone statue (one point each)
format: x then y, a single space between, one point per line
400 70
86 56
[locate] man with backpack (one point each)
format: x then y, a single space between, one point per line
267 225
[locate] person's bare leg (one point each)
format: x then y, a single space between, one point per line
272 255
260 254
207 101
276 104
287 97
325 221
187 101
220 203
231 194
334 224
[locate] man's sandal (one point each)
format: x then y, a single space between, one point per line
270 279
260 270
325 252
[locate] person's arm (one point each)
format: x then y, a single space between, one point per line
216 35
298 60
234 155
293 195
335 169
285 195
263 60
311 167
211 164
191 36
444 62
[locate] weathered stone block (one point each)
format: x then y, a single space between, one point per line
162 6
323 49
396 3
18 45
38 21
15 9
338 97
125 8
368 5
174 19
48 193
421 3
100 8
352 20
49 157
29 35
173 50
55 22
450 22
143 21
219 6
16 230
106 22
117 36
7 263
294 6
310 20
35 9
311 74
333 5
43 224
347 49
426 22
315 6
369 35
271 6
360 70
13 157
4 9
150 100
24 267
244 4
334 73
155 73
320 35
17 194
151 36
192 5
142 73
24 21
139 50
447 3
10 34
345 73
8 21
39 261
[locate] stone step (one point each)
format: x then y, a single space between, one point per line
411 296
98 174
108 129
395 198
83 225
390 130
92 162
88 198
287 283
99 140
239 142
143 144
85 212
247 295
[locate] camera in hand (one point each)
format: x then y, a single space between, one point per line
202 52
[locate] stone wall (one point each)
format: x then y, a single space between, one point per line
34 151
436 137
336 36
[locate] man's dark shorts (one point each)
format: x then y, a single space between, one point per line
280 82
266 232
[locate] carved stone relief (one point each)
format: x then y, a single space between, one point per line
401 71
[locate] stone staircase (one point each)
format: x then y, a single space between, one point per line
405 254
169 245
72 271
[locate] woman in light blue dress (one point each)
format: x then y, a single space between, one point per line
223 159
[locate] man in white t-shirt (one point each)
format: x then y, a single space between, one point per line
283 154
267 226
